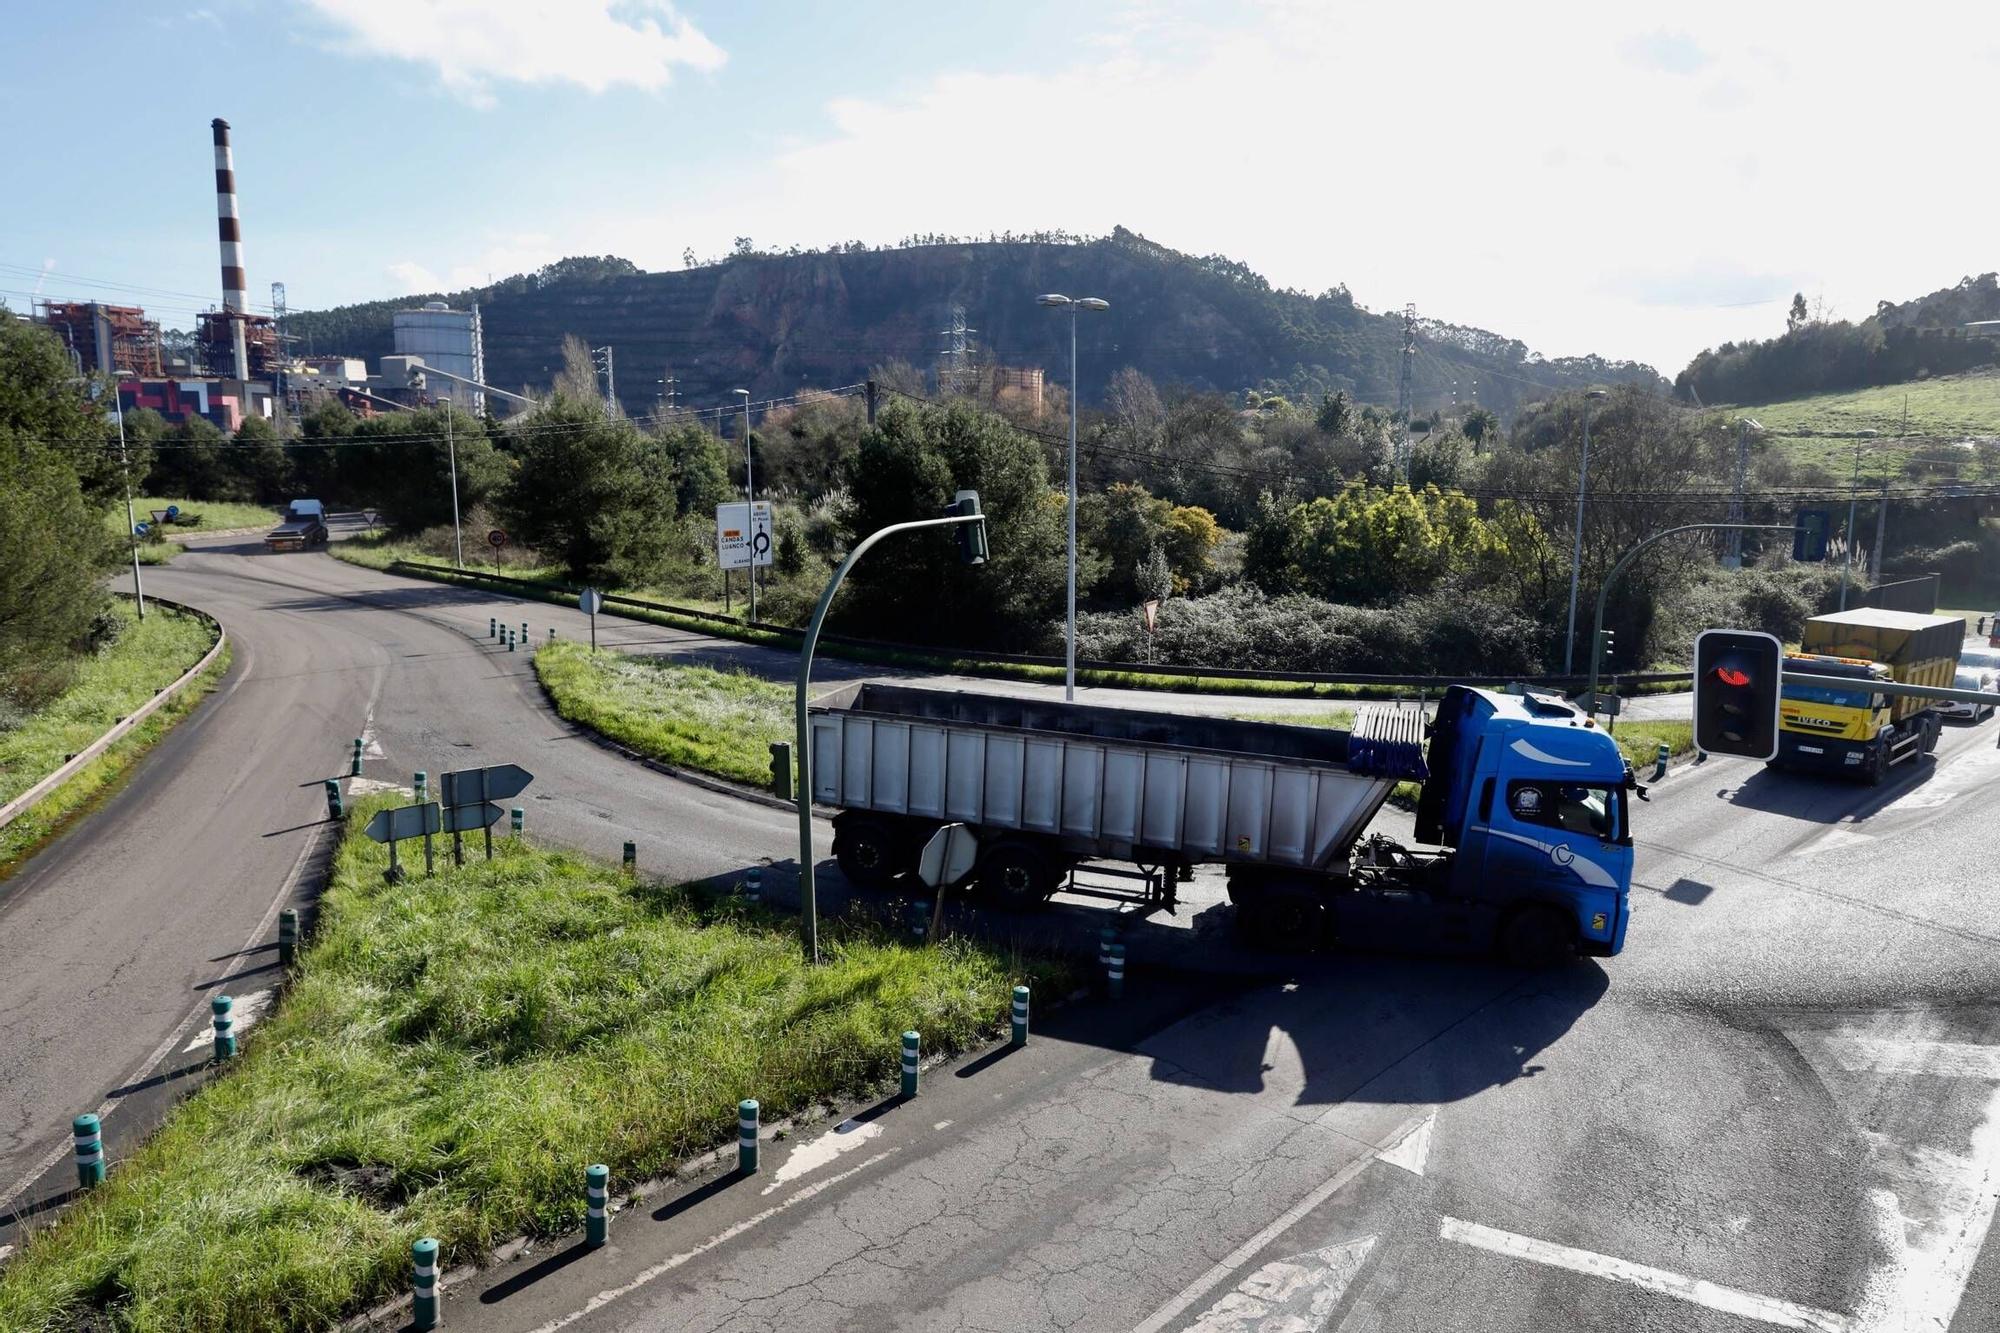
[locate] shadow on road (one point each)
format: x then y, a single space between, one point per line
1828 798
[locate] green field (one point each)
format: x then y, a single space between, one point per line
215 514
1820 430
450 1055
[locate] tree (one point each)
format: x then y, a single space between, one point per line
257 458
592 492
1796 318
701 468
1478 425
400 463
1153 577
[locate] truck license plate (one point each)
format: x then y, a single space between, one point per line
1811 749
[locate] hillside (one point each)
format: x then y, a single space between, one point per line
1944 417
776 323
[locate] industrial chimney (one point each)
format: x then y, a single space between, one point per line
235 286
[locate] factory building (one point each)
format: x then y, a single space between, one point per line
104 339
446 340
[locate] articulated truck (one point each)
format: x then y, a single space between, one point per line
1523 799
1851 728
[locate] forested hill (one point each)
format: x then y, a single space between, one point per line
775 323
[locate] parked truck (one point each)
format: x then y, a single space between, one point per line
1853 728
1523 799
303 526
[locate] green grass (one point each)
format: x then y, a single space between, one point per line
1640 740
215 514
1947 408
475 1041
1339 719
720 722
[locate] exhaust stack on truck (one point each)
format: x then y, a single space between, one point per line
1524 795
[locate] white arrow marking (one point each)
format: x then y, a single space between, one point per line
369 786
1692 1290
845 1137
1412 1150
1295 1295
246 1011
1891 1055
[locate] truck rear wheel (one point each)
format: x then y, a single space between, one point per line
1537 937
1289 921
869 853
1014 874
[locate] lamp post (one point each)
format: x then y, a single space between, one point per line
750 501
1576 549
1853 489
451 456
1058 301
125 467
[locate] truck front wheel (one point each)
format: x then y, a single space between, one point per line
1537 937
1877 767
868 852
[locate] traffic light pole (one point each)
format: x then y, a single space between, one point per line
802 754
1603 592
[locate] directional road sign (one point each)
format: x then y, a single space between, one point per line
410 821
743 534
466 818
475 786
947 858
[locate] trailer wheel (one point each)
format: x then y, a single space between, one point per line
1537 937
1014 874
867 851
1933 726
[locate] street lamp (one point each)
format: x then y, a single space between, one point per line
1056 300
750 498
1853 486
125 467
1576 549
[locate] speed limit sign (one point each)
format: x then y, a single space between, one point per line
496 538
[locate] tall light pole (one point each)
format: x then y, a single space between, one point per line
1576 548
1853 488
1058 301
750 498
125 467
451 455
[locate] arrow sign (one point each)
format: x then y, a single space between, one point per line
465 818
1299 1293
409 821
947 858
474 786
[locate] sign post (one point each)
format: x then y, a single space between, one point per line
467 795
409 821
590 601
742 538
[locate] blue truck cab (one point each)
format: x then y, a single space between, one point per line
1529 795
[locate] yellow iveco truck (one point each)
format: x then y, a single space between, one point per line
1855 729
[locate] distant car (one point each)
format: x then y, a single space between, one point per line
1982 678
1978 657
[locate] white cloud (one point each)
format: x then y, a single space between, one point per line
593 44
410 276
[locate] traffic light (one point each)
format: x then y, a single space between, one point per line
1605 643
1809 532
971 536
781 769
1737 681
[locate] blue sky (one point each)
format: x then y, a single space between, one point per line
1639 185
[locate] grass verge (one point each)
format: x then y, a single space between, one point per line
450 1055
720 722
215 515
1641 741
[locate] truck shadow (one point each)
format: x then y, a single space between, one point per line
1828 797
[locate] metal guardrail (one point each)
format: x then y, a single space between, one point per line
947 659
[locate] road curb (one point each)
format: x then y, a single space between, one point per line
47 787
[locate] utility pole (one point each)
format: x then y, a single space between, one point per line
278 313
750 508
600 357
125 466
1744 425
871 402
1853 494
1405 403
1882 508
451 455
1576 549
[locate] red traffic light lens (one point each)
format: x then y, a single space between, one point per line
1732 676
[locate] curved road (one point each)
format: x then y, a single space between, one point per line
1780 1107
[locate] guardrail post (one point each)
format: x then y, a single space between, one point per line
354 769
424 1283
334 809
1114 970
630 860
515 819
1660 762
421 784
747 1112
225 1026
597 1205
912 1044
288 936
1020 1015
89 1151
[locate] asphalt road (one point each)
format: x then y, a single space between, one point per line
1780 1107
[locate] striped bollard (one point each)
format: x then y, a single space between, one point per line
1020 1015
912 1044
597 1205
919 921
510 640
89 1151
747 1112
420 782
1114 971
424 1283
630 859
515 819
1104 939
524 631
1660 762
354 769
753 885
225 1026
288 936
552 634
492 627
333 805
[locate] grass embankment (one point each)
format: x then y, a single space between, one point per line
145 658
449 1057
720 722
1820 429
158 546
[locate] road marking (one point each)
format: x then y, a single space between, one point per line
665 1266
1728 1300
246 1011
811 1156
1832 839
1949 780
1412 1150
1887 1055
1243 1253
370 786
1298 1293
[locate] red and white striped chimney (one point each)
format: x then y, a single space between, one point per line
235 286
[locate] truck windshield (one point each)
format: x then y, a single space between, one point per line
1827 694
1572 807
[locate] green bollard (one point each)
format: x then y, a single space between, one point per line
354 769
424 1283
1114 971
515 819
1104 940
630 859
288 936
911 1044
746 1136
225 1026
597 1205
753 884
510 640
333 805
421 784
1660 762
552 634
524 630
492 627
1020 1015
89 1151
919 920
